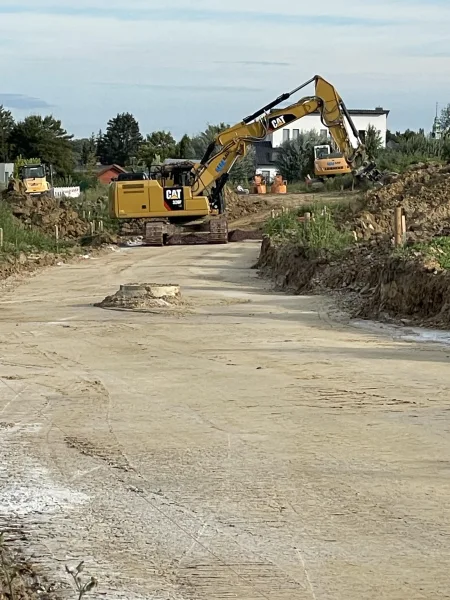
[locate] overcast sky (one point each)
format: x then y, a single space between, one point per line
202 61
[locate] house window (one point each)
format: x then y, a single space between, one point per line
362 135
295 134
286 135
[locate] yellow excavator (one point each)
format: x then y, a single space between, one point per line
184 192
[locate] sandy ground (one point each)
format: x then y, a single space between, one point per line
247 448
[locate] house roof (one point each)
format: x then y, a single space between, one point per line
105 168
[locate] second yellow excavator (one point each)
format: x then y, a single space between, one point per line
185 192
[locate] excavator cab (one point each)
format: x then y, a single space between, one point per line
328 163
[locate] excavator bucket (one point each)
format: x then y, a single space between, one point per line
370 172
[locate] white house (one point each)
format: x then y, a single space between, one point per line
361 118
6 170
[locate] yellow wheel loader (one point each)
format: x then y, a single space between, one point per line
32 181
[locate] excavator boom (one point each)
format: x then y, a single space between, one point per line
235 141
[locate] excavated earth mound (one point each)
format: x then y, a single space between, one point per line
45 212
238 206
424 194
143 296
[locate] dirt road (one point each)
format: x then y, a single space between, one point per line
248 448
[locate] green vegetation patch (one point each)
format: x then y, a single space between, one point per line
318 234
438 249
17 238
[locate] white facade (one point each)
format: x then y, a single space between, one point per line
6 170
362 120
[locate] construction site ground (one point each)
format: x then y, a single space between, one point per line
250 446
247 212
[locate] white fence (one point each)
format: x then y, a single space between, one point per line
67 192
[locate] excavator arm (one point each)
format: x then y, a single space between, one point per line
235 141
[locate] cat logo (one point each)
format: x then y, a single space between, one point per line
174 194
278 122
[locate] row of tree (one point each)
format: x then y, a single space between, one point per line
122 143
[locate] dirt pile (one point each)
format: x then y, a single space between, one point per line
368 280
143 297
424 194
26 263
239 206
45 212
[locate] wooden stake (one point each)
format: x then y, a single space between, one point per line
1 237
307 218
92 227
57 237
398 227
404 229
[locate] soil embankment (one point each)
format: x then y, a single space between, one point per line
371 279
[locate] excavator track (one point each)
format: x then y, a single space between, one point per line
218 230
154 233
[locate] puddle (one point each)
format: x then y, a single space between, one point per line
407 334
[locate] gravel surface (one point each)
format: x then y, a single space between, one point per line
248 448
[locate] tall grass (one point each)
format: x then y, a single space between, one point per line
317 235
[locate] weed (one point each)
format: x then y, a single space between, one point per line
83 588
437 249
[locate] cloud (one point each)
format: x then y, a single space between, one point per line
186 88
178 67
129 12
20 101
253 63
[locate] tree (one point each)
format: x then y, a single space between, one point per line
295 158
184 148
89 152
374 143
444 119
6 126
45 138
121 141
244 168
201 141
159 144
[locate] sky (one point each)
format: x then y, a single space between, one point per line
180 64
